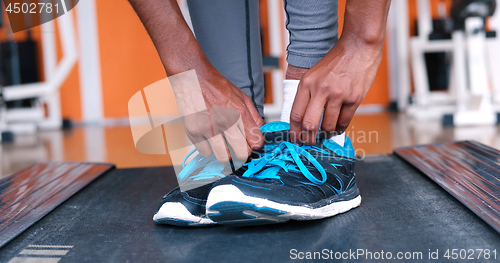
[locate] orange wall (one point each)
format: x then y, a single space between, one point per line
70 91
128 58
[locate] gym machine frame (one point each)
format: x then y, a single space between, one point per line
46 114
473 96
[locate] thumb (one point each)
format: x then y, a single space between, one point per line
254 112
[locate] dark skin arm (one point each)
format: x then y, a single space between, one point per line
339 82
179 52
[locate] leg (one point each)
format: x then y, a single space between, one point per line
229 34
313 29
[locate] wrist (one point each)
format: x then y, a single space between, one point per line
361 42
293 72
179 63
354 46
183 55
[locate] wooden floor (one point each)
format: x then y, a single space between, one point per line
370 134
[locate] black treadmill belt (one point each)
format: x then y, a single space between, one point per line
111 221
470 171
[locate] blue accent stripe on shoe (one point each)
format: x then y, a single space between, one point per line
175 222
235 211
254 186
193 202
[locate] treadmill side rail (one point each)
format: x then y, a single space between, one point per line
468 170
30 194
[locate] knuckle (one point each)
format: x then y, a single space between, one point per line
193 129
335 93
309 126
307 81
239 105
323 86
354 99
295 118
328 128
260 122
244 112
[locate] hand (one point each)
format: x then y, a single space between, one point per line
218 116
219 92
336 84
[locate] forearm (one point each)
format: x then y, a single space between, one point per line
365 22
176 45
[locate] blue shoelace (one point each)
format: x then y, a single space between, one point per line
212 168
285 156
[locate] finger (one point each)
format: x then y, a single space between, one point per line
297 114
253 134
198 129
311 120
345 117
237 142
218 145
254 112
252 131
330 117
241 128
204 148
200 142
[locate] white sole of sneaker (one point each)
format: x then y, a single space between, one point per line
226 204
177 214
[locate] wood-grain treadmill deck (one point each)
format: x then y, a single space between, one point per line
28 195
111 221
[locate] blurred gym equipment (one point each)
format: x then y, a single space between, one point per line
465 59
26 105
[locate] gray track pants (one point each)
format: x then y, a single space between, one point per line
229 34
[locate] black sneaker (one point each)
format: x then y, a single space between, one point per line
184 208
185 205
290 182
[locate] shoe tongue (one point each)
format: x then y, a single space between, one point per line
275 126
